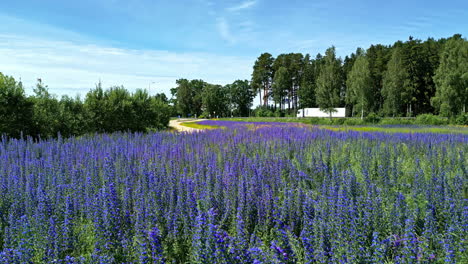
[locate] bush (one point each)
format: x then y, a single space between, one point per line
279 113
353 122
429 119
338 121
462 120
319 121
372 118
263 111
396 121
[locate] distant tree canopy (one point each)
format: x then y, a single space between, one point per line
15 108
358 85
197 98
405 79
451 78
111 110
329 82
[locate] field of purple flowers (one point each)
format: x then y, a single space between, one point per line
256 193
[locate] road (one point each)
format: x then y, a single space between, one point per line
180 128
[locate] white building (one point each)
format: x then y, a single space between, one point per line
316 112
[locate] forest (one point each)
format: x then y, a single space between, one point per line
406 79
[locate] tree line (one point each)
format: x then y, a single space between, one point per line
197 98
101 111
404 79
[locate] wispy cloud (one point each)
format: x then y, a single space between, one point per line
242 5
70 68
224 30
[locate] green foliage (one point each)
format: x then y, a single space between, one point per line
46 112
396 121
329 82
306 92
15 108
395 84
378 57
190 97
372 118
43 115
451 78
359 85
262 76
241 95
430 119
263 111
73 119
461 120
117 110
288 70
215 100
353 122
281 84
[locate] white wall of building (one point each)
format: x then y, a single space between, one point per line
316 112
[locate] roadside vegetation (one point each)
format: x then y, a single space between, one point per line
196 125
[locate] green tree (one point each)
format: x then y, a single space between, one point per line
294 65
306 92
46 112
15 108
72 117
94 105
378 57
241 96
215 100
396 85
119 112
262 76
359 85
329 83
281 82
189 96
451 78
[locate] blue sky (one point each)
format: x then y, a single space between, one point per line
142 43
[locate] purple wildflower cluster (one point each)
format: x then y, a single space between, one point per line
258 193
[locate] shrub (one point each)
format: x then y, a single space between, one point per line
372 118
279 113
429 119
396 121
353 122
462 120
338 121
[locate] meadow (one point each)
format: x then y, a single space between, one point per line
250 193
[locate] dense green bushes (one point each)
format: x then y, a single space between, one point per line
44 115
371 119
429 119
461 120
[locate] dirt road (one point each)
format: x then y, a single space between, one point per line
180 128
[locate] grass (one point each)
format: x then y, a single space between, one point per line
326 124
199 126
403 129
269 119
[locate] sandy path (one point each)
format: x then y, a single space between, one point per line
180 128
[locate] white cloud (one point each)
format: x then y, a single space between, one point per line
224 31
70 68
242 6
